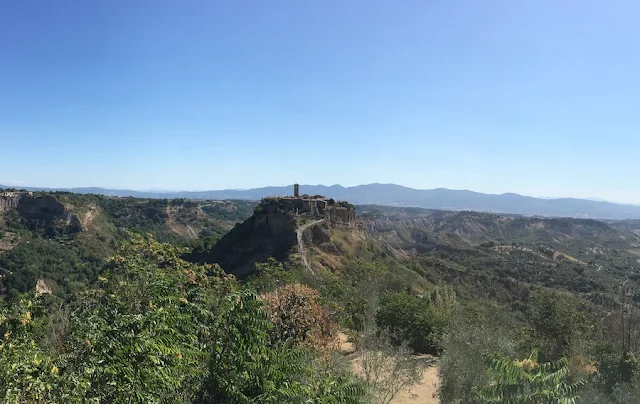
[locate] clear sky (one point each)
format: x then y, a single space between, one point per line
537 97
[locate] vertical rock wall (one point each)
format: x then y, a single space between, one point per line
8 202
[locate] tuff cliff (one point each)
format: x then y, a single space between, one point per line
343 215
270 232
45 207
9 200
45 212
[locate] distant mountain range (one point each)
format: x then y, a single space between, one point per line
396 195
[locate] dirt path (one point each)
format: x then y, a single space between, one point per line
301 249
425 392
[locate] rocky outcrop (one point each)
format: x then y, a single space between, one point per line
41 212
342 214
9 200
268 233
8 241
45 208
42 288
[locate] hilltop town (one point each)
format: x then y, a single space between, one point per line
312 206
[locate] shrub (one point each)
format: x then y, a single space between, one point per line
247 366
386 368
555 326
418 320
294 311
473 333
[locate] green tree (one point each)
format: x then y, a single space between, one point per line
28 372
142 336
475 331
554 326
269 275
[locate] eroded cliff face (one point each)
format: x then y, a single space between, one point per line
9 201
41 212
45 207
266 234
342 215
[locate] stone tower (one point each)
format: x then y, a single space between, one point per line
296 190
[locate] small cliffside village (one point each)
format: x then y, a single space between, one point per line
314 205
11 194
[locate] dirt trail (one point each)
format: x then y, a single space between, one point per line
301 249
425 391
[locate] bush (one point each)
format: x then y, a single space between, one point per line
555 326
294 311
418 320
386 368
247 366
471 336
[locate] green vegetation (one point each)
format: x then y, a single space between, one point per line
527 381
418 320
168 219
63 238
66 265
159 329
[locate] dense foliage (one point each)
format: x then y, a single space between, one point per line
159 329
63 238
67 266
419 320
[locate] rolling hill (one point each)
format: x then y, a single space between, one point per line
579 255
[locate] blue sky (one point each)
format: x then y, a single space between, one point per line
534 97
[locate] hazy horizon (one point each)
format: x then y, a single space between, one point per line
535 98
151 190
